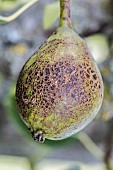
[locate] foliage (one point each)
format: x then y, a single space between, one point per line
51 13
7 5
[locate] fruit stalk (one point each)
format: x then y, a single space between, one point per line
65 13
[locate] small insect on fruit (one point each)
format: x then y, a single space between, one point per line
59 90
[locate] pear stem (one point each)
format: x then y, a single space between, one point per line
65 13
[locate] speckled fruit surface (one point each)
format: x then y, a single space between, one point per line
60 89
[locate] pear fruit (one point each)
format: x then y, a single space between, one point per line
59 89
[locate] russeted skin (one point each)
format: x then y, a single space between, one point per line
59 90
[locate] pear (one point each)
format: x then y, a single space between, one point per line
59 90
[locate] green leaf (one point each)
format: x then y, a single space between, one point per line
51 13
96 44
7 5
14 162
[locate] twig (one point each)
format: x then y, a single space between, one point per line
12 17
90 145
109 145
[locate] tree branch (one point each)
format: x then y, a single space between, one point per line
90 145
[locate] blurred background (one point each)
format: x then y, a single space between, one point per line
93 147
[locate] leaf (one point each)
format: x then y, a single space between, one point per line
96 44
14 162
6 5
12 112
51 13
68 165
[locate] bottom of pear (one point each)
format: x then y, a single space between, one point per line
39 137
